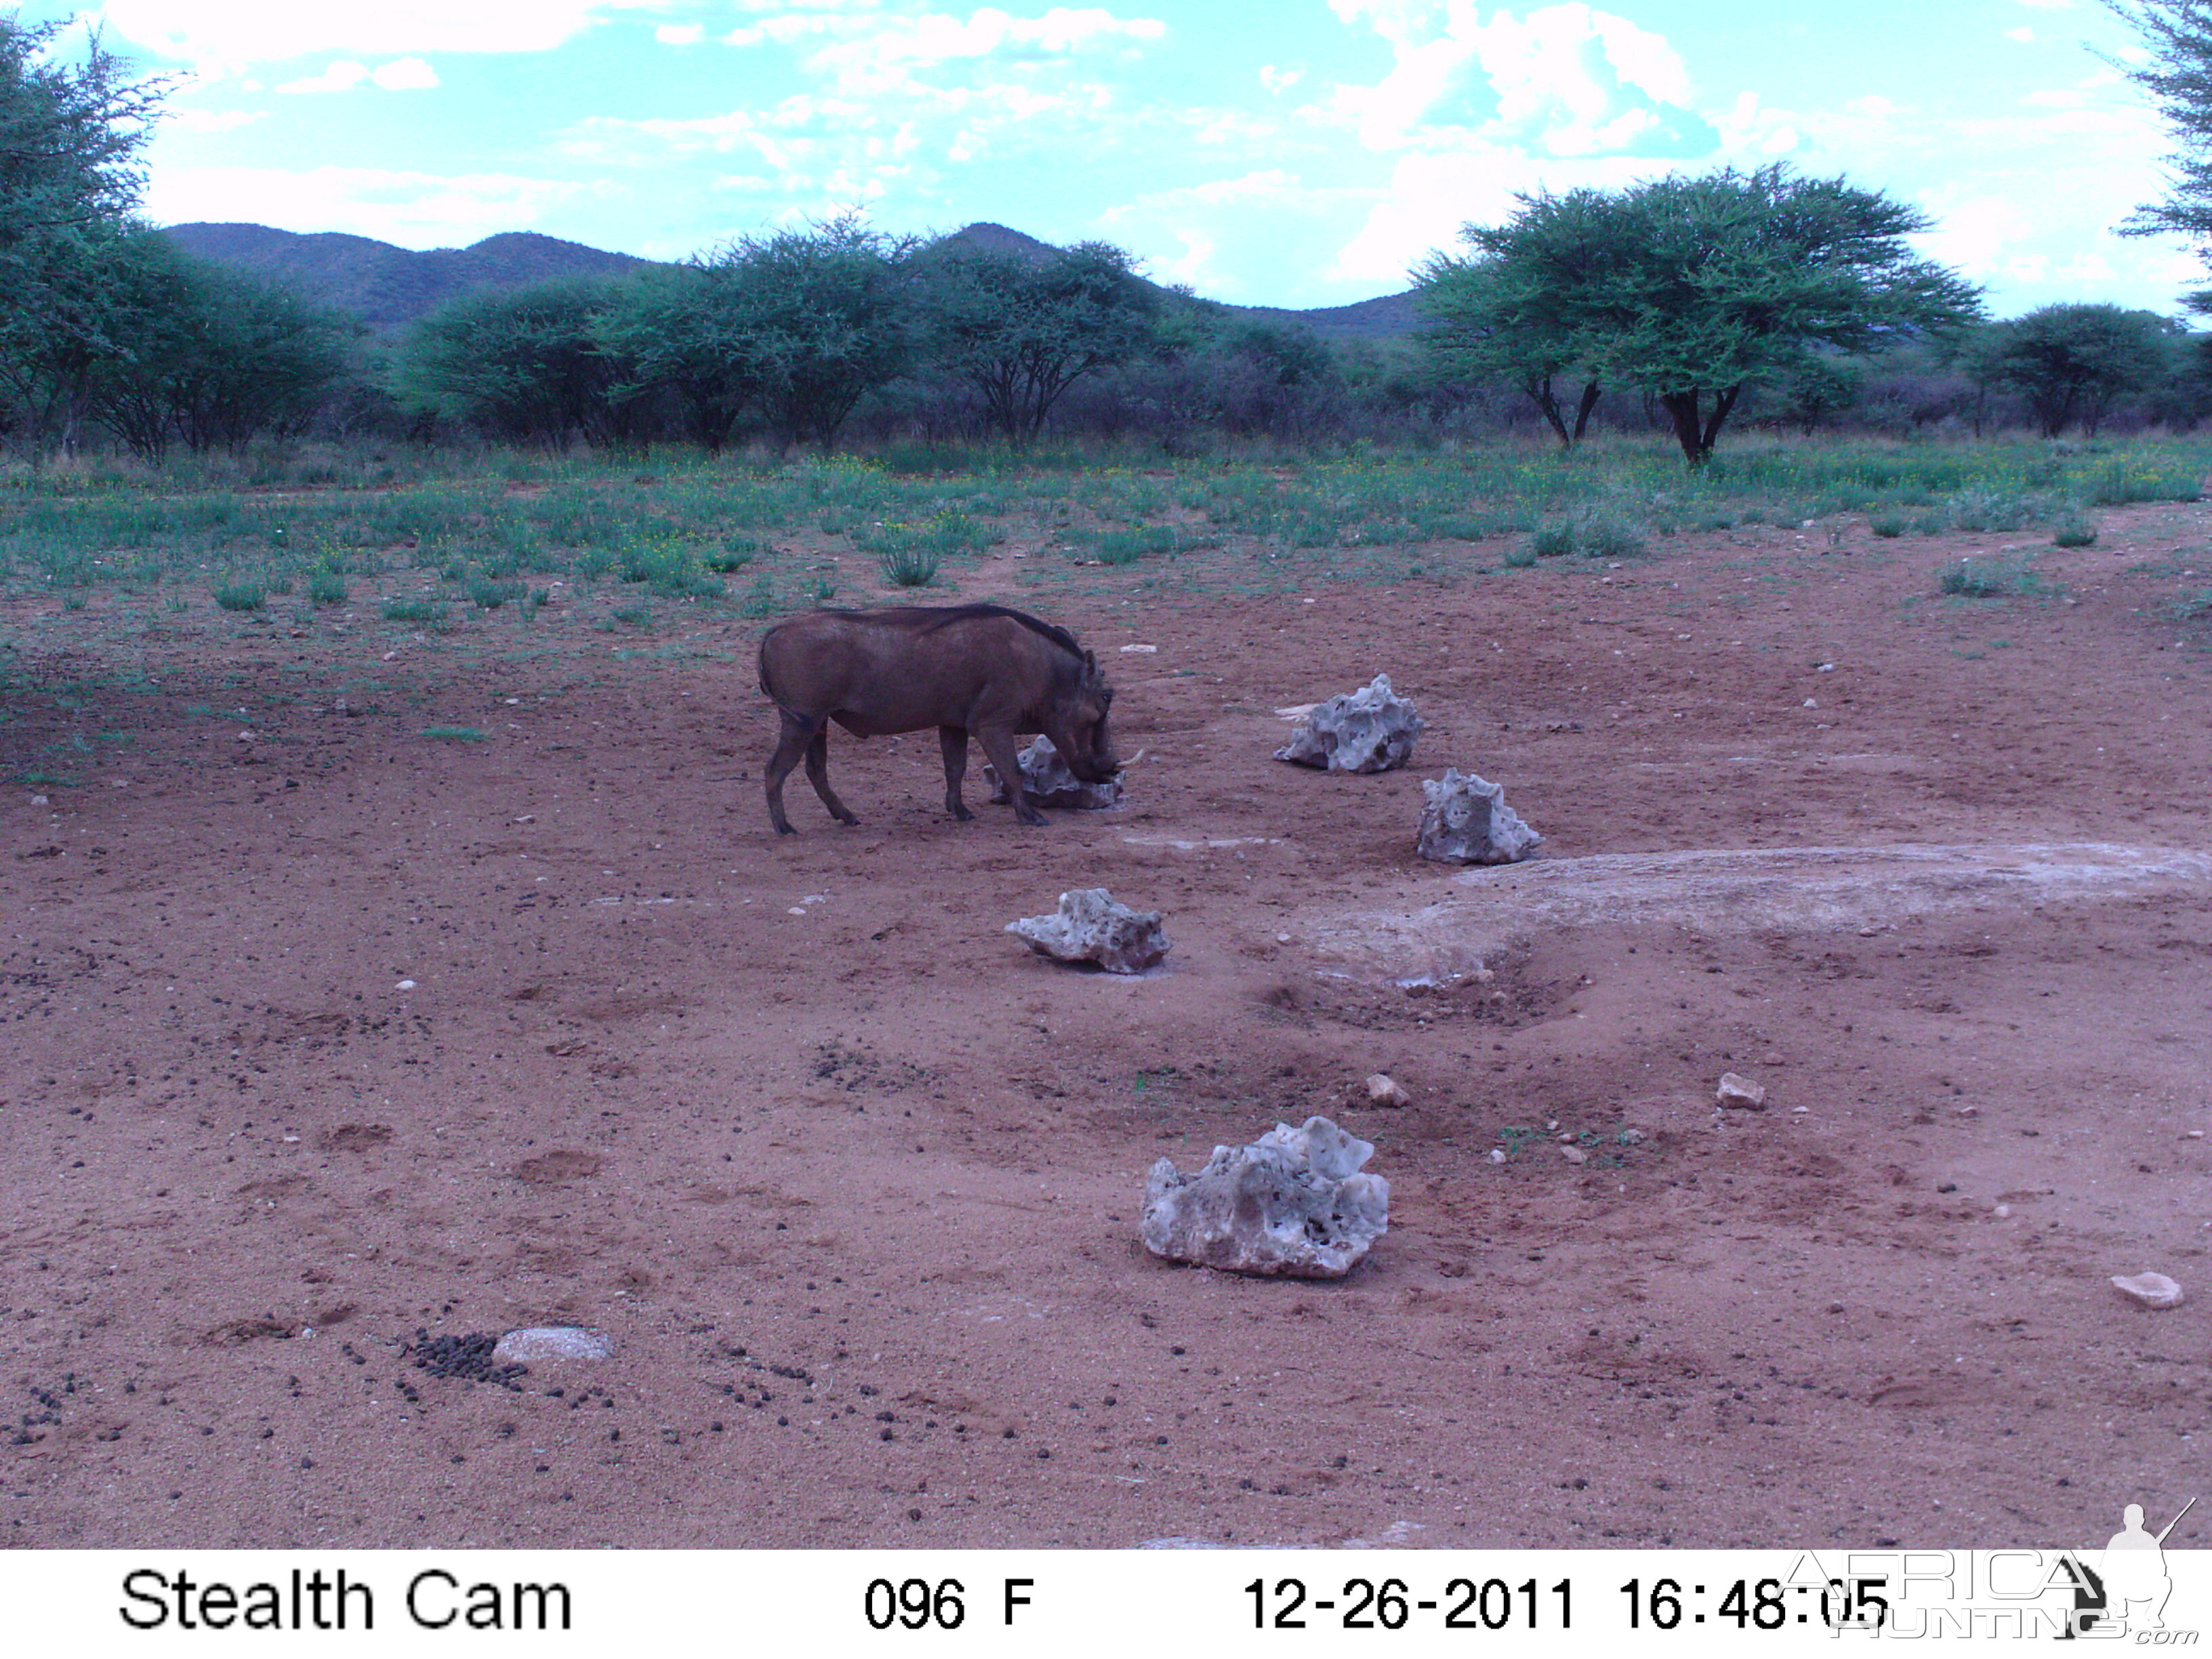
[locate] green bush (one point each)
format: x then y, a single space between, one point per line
1608 535
326 587
241 595
488 594
2074 529
911 566
1887 526
1553 541
413 611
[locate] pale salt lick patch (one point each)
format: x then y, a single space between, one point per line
1782 888
539 1344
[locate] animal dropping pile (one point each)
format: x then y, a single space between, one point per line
1370 730
1294 1204
1092 925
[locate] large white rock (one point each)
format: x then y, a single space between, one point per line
1466 821
1293 1204
1370 730
1046 781
1090 926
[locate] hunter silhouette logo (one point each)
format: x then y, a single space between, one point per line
2135 1582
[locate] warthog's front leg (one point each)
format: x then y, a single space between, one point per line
953 740
1000 746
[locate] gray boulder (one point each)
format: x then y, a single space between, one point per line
1466 821
1047 782
1090 926
1293 1204
1370 730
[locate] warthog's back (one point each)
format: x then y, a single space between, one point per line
900 670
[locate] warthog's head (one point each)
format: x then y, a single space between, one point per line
1083 739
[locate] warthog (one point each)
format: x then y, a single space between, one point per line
965 668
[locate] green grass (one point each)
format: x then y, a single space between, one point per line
241 595
1992 576
455 733
413 611
326 587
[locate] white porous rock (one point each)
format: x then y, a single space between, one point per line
1466 821
1370 730
1293 1204
1046 781
539 1344
1090 925
1740 1093
2150 1290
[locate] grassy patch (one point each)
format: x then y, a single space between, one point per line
455 733
428 612
1994 576
241 595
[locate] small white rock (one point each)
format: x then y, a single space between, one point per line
1384 1090
1633 1137
2003 1213
405 985
1574 1154
37 800
2150 1290
1147 649
1498 1155
1811 704
536 1344
1740 1093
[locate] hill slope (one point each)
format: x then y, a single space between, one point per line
390 287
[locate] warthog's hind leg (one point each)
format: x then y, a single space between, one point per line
817 774
810 739
953 740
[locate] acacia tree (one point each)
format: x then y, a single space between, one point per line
2178 35
523 363
70 134
2072 362
1021 328
1691 288
1510 312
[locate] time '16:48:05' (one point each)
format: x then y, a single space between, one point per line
1364 1604
1765 1604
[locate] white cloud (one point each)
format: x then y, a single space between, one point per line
402 74
1280 81
2025 35
415 210
1566 79
680 34
210 120
236 33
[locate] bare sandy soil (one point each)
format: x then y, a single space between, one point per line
330 1035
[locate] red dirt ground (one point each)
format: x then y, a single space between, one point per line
853 1179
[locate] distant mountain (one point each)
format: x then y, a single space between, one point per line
1391 315
390 287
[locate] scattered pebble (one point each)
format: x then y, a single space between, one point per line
1384 1090
2150 1290
1740 1093
1574 1154
1811 704
2003 1213
405 985
37 800
1498 1155
1633 1137
1148 650
1966 1111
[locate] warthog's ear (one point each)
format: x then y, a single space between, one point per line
1091 662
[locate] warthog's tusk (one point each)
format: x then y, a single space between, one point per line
1134 758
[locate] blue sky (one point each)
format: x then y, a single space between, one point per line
1297 152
